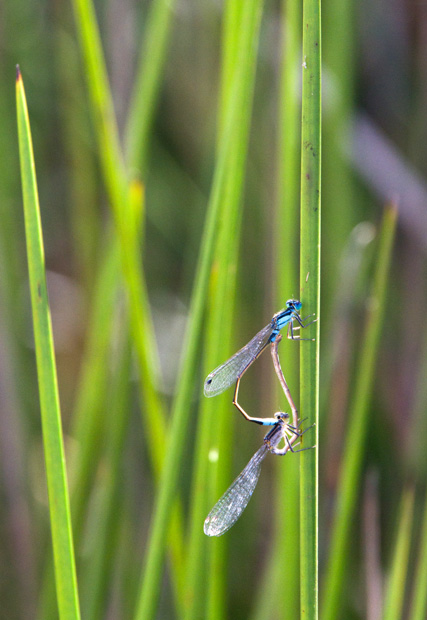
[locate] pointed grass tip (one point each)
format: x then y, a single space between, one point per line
18 73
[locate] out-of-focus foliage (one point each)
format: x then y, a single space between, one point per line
373 152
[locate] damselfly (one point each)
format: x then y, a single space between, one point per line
231 505
232 370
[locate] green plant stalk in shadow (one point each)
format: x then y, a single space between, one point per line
358 418
419 593
395 592
241 32
185 382
120 195
271 595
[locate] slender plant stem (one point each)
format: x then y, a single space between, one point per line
310 296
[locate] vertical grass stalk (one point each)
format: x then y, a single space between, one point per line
102 555
338 186
271 595
239 54
240 61
188 368
310 296
346 493
148 82
120 196
395 593
286 260
419 593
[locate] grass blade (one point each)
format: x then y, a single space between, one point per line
104 539
271 596
353 451
147 84
120 198
185 382
338 186
419 593
241 33
90 403
310 296
59 507
286 248
395 593
89 408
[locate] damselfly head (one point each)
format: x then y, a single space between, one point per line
280 415
294 303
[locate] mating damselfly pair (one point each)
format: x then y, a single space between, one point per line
231 505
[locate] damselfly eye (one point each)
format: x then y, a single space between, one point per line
294 303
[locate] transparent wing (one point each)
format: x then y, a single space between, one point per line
231 505
225 375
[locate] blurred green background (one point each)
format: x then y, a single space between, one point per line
373 153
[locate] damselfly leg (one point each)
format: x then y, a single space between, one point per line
292 328
297 444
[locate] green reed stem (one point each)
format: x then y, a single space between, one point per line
310 296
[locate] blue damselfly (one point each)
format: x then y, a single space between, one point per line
232 370
231 505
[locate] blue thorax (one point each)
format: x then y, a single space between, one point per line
283 317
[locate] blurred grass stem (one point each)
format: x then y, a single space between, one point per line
347 489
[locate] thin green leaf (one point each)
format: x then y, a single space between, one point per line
147 83
59 507
395 592
419 593
90 406
104 537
